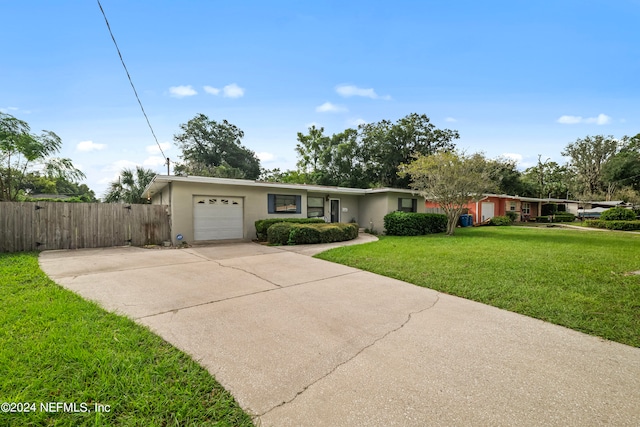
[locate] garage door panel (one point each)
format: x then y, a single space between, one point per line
217 218
488 211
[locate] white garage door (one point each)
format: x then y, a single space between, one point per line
487 211
217 218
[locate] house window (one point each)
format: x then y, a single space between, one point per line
512 206
408 205
526 208
283 204
315 207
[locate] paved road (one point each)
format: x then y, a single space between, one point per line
304 342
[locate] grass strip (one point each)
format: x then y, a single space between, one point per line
57 347
574 278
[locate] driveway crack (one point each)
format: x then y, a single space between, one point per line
335 368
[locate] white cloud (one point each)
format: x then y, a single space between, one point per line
265 157
153 149
212 90
569 120
328 107
348 91
114 170
513 156
153 162
601 119
450 120
90 146
232 91
182 91
12 110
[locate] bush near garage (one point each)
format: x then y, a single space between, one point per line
513 216
263 225
565 217
289 233
500 220
614 225
414 224
618 214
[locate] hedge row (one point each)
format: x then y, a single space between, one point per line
289 233
564 217
613 225
262 225
414 224
501 220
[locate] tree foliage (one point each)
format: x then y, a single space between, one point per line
214 149
547 179
370 155
623 169
21 152
129 186
36 186
588 157
451 179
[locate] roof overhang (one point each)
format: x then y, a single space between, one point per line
160 181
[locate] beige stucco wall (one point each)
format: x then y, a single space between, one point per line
255 204
374 206
367 210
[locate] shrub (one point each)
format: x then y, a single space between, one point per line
263 225
500 220
613 224
279 233
565 217
290 233
414 224
618 214
513 216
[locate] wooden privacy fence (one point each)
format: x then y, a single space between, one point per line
27 226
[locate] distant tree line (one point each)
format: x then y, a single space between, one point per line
371 155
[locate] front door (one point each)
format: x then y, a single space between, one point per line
335 210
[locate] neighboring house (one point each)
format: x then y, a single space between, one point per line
595 209
607 204
526 208
206 209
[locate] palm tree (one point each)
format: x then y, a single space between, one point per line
129 186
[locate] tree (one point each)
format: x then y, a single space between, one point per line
623 169
452 179
210 148
387 145
35 183
21 152
289 176
547 179
588 157
508 178
130 186
370 155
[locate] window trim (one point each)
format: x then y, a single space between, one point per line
414 205
272 206
315 208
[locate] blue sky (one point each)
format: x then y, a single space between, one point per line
515 78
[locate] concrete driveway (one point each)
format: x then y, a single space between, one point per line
304 342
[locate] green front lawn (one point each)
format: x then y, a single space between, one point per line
57 348
578 279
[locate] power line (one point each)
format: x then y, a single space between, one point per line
130 81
